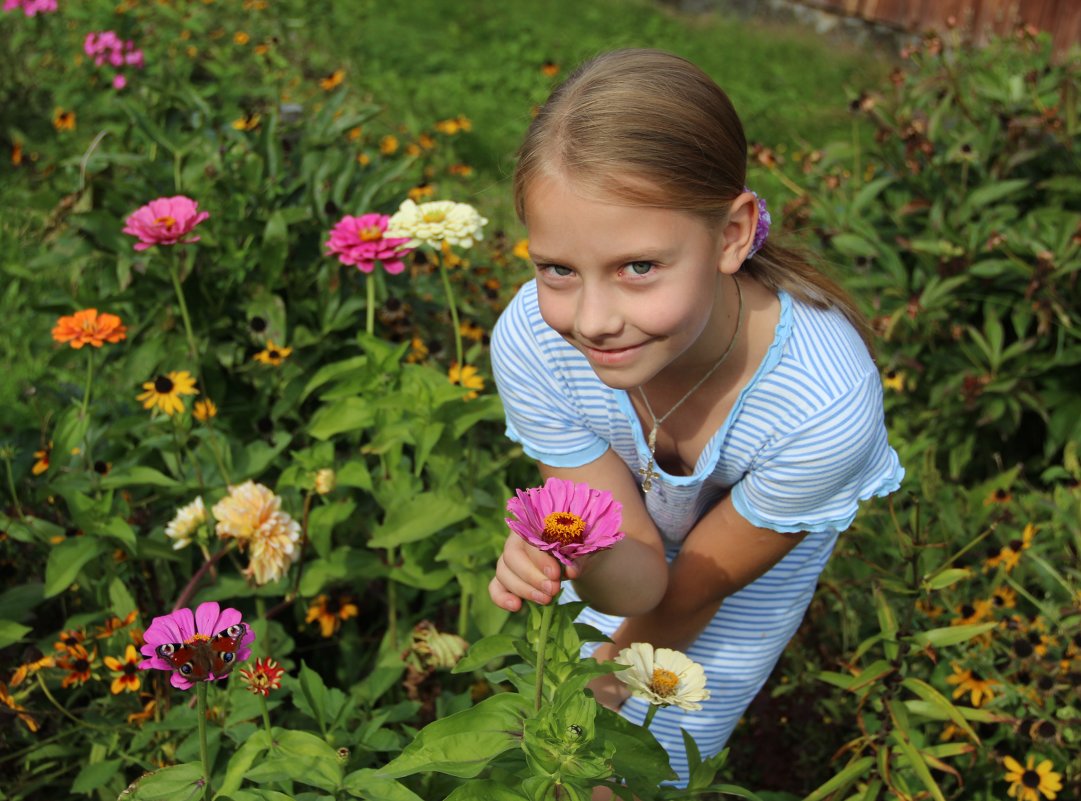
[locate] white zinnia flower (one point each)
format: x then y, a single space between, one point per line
183 526
436 222
664 677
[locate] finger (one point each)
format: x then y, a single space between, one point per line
512 571
536 568
502 598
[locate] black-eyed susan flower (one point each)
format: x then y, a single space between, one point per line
69 639
969 681
249 122
41 461
1004 597
165 392
332 81
421 192
203 410
20 711
64 120
272 354
521 249
975 612
388 145
113 624
78 663
330 611
263 676
470 330
418 351
241 38
999 495
894 380
1030 782
27 669
1042 731
127 669
467 377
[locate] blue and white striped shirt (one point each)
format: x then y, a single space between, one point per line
804 443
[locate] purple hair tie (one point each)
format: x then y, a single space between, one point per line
761 230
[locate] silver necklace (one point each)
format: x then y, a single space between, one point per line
648 473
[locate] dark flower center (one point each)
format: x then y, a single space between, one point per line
101 467
131 669
967 611
258 324
1022 647
273 354
1030 778
1016 546
81 665
1045 683
1045 729
163 385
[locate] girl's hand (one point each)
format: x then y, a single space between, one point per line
527 573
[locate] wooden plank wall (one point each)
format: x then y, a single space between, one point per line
1061 18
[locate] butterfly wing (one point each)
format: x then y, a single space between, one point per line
184 659
224 647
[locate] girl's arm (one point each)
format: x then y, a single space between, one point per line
629 579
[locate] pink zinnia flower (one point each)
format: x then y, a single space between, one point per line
567 520
202 646
359 241
165 221
31 7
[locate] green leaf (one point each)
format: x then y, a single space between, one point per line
242 760
854 245
484 651
120 599
367 783
315 693
342 416
11 632
946 578
329 372
428 513
935 712
299 756
176 783
136 476
67 559
937 699
323 519
484 790
463 744
951 635
989 193
94 775
851 772
915 759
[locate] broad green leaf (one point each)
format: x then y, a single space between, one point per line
484 651
946 578
851 772
463 744
300 756
951 635
854 245
932 696
485 790
67 559
935 712
315 692
323 519
176 783
637 757
242 760
342 416
842 680
991 192
425 515
11 632
914 757
369 784
135 476
94 775
329 372
120 598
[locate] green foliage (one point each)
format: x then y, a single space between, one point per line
960 221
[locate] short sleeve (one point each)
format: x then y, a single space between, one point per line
813 477
536 387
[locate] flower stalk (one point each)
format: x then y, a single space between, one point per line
174 273
542 648
89 382
369 322
204 751
452 305
6 456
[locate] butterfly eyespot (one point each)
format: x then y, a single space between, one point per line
234 631
186 669
166 650
228 657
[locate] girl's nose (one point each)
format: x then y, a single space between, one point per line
598 316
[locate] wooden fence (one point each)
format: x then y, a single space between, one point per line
981 18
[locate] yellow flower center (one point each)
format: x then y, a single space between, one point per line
371 233
196 638
664 682
563 527
167 221
434 216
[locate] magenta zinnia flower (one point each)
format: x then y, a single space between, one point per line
31 7
359 241
567 520
202 646
165 221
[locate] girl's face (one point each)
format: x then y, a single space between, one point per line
640 291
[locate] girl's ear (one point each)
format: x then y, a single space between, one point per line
738 233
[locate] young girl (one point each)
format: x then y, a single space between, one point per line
670 353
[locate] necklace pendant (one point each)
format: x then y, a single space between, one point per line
648 474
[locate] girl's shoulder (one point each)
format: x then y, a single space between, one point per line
822 348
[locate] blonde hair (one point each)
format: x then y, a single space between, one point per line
652 129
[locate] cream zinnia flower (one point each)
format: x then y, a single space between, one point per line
252 514
436 222
183 526
663 677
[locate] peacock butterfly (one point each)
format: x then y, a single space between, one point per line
203 657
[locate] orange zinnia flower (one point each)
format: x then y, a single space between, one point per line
87 327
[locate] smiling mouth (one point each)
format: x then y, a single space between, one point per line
611 355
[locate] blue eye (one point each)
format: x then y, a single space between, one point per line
641 267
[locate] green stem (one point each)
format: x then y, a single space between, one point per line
204 752
463 612
89 379
174 273
63 711
453 306
369 323
649 715
14 493
266 717
542 648
392 600
217 456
